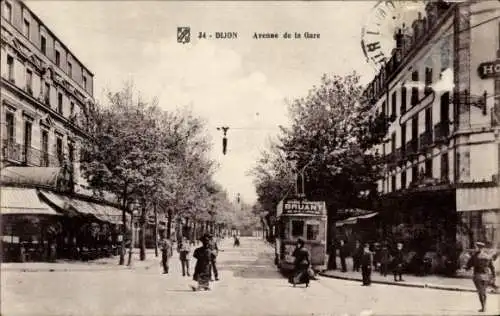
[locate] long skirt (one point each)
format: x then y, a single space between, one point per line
300 275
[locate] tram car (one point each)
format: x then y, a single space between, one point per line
300 219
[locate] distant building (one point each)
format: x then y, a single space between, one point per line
439 95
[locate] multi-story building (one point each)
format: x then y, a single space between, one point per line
46 92
439 95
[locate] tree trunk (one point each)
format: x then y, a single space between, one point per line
132 237
142 234
193 238
124 233
156 229
169 224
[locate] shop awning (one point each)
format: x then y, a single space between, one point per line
30 176
23 201
354 219
76 206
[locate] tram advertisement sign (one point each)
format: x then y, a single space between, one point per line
304 207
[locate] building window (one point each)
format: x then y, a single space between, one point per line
47 93
71 152
393 183
71 109
393 143
414 173
58 58
428 81
414 127
59 150
384 112
297 228
43 44
7 11
428 168
444 167
445 107
403 179
414 90
393 104
45 149
60 103
10 68
27 140
70 69
84 82
403 136
10 125
312 231
403 99
29 81
26 28
428 119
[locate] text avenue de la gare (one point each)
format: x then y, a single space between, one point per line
256 35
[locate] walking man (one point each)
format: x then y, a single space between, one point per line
397 262
343 255
366 265
384 260
215 251
356 257
166 252
481 262
184 249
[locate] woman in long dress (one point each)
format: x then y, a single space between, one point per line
203 256
302 263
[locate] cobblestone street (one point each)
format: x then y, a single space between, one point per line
250 285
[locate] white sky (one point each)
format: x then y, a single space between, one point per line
237 83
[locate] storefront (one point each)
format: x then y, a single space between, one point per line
42 220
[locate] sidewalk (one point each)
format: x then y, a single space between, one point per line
102 264
462 282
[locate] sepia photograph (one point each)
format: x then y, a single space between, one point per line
249 158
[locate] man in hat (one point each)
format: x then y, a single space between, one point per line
215 251
397 262
481 262
166 251
366 265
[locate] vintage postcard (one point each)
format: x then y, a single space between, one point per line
250 157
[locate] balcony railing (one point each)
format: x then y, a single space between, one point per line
411 147
441 132
425 140
28 155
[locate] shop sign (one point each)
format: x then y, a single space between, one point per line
304 207
489 69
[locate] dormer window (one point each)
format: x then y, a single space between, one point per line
70 69
84 82
26 28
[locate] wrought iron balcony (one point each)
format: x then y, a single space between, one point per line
441 132
425 140
28 155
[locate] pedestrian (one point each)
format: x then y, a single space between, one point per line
184 248
213 262
203 256
384 260
302 264
398 262
366 265
481 262
236 241
332 256
166 252
343 254
356 257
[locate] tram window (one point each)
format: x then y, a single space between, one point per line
312 231
297 228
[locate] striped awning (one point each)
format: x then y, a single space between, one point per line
23 201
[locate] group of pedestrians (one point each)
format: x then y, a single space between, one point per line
206 259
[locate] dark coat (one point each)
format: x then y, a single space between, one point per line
203 256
